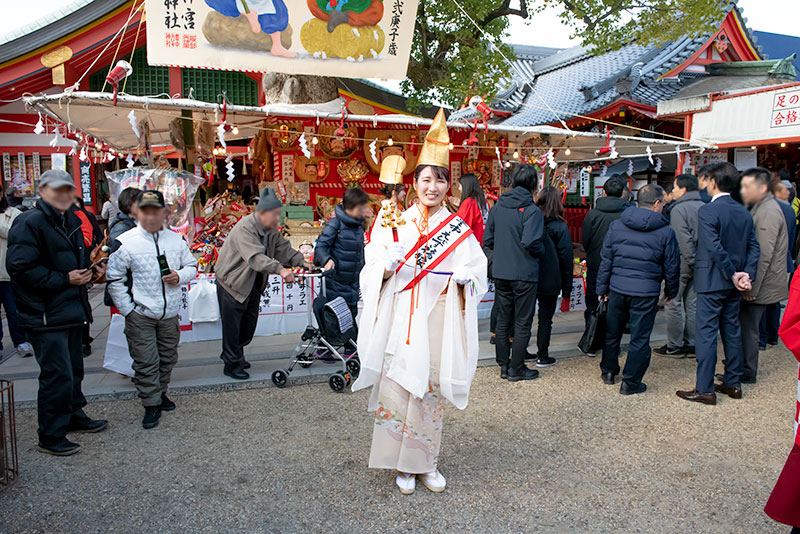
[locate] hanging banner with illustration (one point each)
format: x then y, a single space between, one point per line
321 37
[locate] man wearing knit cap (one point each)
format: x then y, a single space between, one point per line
253 250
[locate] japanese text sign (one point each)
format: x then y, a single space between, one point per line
786 109
321 37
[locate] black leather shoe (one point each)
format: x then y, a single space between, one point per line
151 416
732 392
61 447
625 389
87 426
245 364
166 404
236 372
526 374
503 372
608 378
697 396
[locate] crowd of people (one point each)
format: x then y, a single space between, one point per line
717 250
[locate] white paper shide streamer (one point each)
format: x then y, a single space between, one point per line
650 154
229 167
130 161
630 167
39 128
373 150
132 120
304 145
221 134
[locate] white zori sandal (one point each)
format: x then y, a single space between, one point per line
434 481
406 482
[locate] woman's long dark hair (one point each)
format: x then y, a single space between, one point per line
548 200
3 200
471 188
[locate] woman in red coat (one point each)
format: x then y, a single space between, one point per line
473 208
784 504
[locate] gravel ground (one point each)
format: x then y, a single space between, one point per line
564 453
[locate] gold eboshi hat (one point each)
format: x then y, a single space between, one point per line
436 148
392 170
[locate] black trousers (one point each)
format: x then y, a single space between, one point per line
59 354
547 308
239 321
641 311
750 320
591 295
516 304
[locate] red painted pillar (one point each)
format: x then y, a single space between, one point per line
175 81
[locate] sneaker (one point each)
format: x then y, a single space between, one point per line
667 350
25 349
530 357
166 404
546 361
406 482
503 372
151 416
86 425
61 447
434 481
526 374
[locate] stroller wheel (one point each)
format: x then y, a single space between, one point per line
280 378
353 366
304 362
337 382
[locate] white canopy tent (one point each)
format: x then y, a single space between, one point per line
96 114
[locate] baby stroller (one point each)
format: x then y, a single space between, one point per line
334 340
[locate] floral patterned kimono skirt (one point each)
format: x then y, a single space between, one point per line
408 431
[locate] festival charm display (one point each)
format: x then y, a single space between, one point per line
178 188
352 172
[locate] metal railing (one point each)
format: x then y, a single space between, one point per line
9 458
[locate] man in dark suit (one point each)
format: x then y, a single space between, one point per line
725 265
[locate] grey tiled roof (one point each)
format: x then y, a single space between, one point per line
576 82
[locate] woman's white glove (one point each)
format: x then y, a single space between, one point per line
461 276
396 256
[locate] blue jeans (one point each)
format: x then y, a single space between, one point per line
642 314
10 306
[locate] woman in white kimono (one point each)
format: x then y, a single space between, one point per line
418 337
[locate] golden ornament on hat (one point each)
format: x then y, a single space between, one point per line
436 148
392 170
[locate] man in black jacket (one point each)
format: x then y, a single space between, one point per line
513 238
49 265
607 209
640 250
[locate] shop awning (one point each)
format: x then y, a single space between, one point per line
95 114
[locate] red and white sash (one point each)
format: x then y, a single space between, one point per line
430 251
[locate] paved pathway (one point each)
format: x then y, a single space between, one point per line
564 453
200 369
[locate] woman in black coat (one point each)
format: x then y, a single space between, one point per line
555 270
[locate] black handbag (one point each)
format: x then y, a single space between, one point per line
594 337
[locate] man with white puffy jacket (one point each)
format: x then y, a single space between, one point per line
159 262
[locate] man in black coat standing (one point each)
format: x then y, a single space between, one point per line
49 265
607 209
640 250
513 243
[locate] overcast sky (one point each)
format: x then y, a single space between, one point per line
776 16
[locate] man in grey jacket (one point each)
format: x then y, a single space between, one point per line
681 311
253 250
771 283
